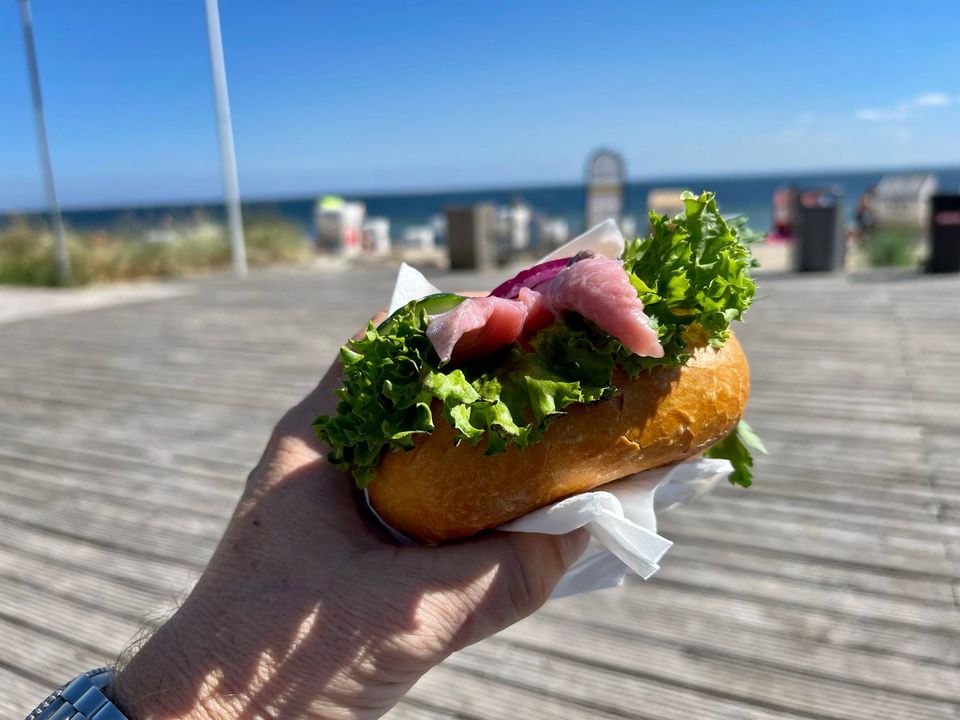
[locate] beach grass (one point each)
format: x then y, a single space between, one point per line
893 247
133 253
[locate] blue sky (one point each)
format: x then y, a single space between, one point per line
383 96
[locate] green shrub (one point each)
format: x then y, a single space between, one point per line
23 257
891 246
27 254
274 240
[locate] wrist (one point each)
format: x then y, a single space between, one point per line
165 681
217 659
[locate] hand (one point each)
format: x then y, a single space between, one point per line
307 609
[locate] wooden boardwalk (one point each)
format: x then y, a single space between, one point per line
829 590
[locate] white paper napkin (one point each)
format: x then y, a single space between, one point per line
622 522
622 517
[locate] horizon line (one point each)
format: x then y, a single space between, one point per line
435 190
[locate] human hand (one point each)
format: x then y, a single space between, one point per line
307 608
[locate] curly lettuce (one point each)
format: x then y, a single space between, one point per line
692 274
735 447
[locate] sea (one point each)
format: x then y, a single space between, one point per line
750 196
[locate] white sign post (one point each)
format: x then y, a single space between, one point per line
605 176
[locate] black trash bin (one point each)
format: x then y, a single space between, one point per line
470 240
944 234
818 224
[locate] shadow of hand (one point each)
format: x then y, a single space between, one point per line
308 609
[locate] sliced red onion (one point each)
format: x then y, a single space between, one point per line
530 278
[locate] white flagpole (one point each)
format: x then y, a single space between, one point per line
228 157
60 242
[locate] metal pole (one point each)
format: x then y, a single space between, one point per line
228 158
59 235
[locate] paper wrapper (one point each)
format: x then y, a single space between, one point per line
622 517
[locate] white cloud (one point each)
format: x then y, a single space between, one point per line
876 114
905 108
934 99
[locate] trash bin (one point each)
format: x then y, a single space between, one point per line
821 245
470 240
944 234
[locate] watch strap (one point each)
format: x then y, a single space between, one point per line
80 699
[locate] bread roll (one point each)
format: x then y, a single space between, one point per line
438 492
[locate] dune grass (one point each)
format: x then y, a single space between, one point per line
893 247
27 256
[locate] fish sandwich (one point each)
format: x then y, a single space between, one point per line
458 414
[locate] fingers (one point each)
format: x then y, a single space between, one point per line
537 564
570 548
505 577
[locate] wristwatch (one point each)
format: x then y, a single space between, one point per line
80 699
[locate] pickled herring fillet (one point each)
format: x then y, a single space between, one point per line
599 289
476 327
593 285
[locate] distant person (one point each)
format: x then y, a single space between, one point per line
866 219
308 609
784 199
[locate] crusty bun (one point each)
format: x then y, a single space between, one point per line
438 492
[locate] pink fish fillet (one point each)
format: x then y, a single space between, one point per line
598 288
476 327
538 314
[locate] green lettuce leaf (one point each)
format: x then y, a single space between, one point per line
692 274
736 448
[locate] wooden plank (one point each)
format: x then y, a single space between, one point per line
725 638
226 473
603 671
39 488
879 551
843 602
929 590
410 709
861 488
829 590
20 603
58 659
792 619
129 564
859 520
156 538
23 692
63 579
495 679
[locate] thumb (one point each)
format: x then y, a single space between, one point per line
528 568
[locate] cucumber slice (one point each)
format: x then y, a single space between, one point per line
434 305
